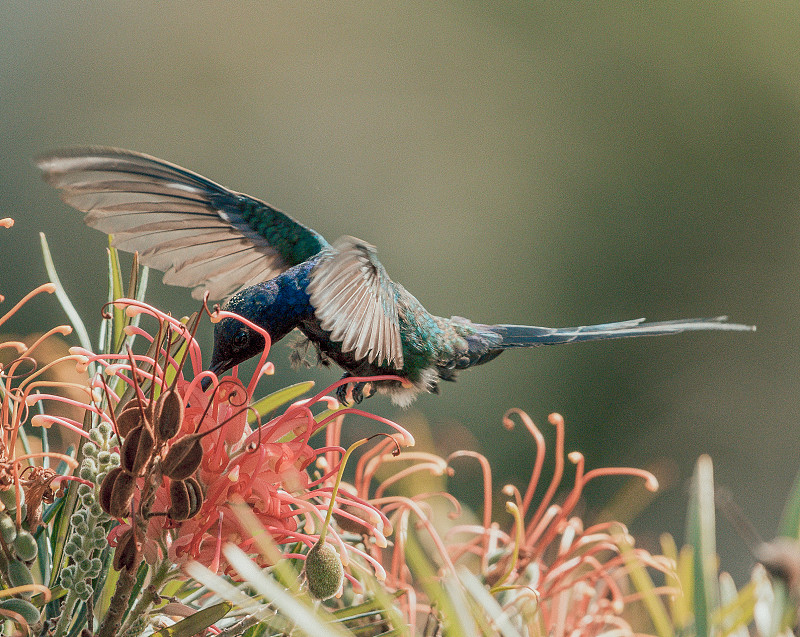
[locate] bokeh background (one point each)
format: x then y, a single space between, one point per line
520 162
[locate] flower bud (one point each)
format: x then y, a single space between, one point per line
19 574
324 571
9 497
25 546
8 528
27 611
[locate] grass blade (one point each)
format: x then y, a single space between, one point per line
61 295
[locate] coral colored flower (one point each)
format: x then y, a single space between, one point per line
551 573
20 382
267 469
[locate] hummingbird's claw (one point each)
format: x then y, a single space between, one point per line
341 391
353 393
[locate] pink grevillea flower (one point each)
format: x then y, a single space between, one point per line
20 380
574 577
549 571
267 469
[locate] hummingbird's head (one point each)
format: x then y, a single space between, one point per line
234 343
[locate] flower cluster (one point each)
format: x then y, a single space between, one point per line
27 482
549 571
189 455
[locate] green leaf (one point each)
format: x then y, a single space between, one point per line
701 530
274 400
308 618
736 611
457 619
115 292
197 623
790 519
644 584
61 295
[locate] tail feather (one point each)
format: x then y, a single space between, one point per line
532 336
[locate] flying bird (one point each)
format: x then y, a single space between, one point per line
282 275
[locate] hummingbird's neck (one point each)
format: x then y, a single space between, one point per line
277 305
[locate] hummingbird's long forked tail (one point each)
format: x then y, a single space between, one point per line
531 336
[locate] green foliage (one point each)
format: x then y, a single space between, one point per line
71 550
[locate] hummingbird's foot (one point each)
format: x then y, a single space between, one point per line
353 393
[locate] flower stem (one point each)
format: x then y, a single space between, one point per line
119 603
66 614
147 597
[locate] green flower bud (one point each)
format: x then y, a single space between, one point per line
324 571
8 528
25 546
9 497
105 430
19 574
23 608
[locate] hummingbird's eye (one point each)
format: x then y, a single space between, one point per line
240 339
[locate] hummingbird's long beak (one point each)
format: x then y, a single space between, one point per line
217 367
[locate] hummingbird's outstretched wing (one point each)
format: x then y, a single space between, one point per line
201 234
355 300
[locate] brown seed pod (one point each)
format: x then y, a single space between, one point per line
138 448
187 498
350 525
185 455
107 488
127 551
183 458
129 418
196 496
169 415
122 490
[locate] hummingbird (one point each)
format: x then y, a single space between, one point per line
281 275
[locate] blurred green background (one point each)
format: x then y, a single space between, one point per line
520 162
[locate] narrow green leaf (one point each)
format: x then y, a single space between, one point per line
115 289
133 280
491 610
274 400
790 519
197 623
456 619
366 609
701 530
144 276
681 579
644 584
56 592
61 294
736 610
